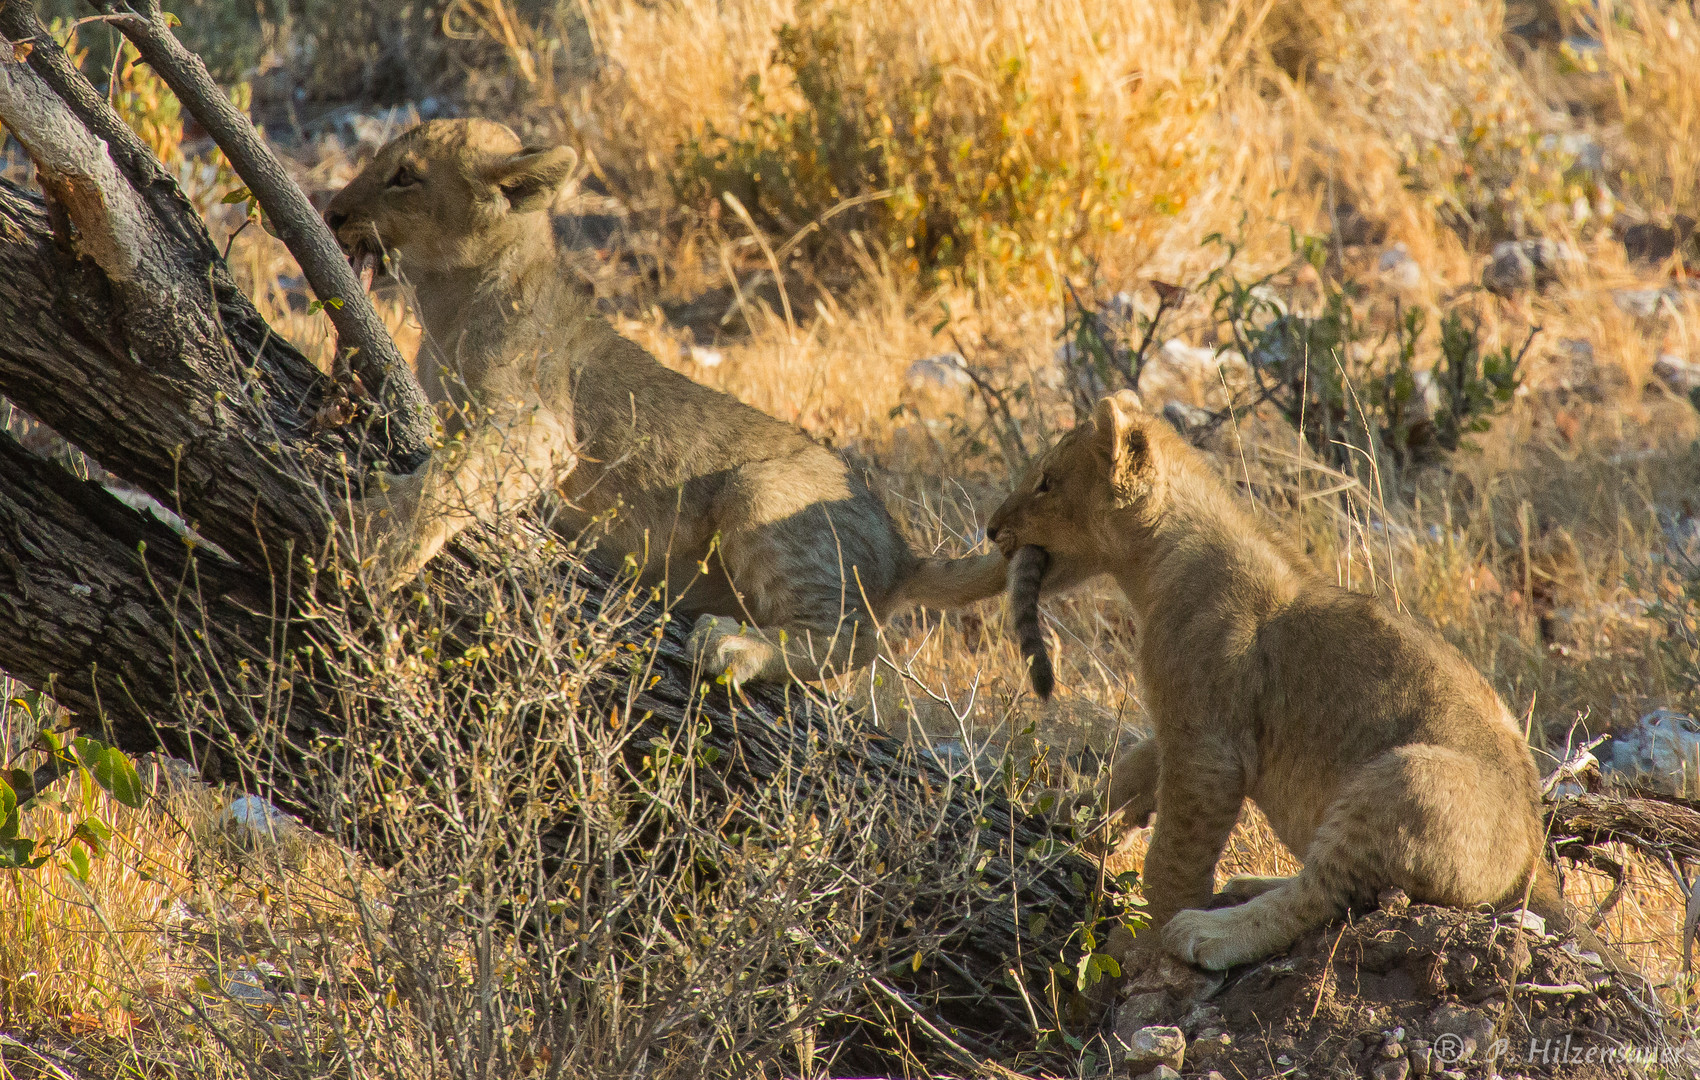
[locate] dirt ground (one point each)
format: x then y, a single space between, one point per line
1414 991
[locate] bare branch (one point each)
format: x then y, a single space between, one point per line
81 176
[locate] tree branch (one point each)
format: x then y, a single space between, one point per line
78 173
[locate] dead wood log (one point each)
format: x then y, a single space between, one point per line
1662 828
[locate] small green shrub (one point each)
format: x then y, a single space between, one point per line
1358 396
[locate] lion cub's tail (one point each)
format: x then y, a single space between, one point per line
942 584
1565 920
1026 572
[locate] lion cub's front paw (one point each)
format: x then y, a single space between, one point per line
723 647
384 528
1207 939
389 506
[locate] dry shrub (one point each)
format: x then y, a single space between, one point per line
1006 139
539 868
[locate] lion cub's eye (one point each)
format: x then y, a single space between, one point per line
1044 484
404 177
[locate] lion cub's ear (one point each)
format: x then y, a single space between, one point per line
531 178
1124 440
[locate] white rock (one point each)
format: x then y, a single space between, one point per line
704 358
1153 1046
1519 265
254 818
1645 303
1398 270
946 371
1531 922
1661 752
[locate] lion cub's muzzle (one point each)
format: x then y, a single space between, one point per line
361 244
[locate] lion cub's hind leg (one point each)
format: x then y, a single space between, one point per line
1425 819
1243 887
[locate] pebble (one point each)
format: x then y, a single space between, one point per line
1154 1046
946 371
1519 265
1397 1069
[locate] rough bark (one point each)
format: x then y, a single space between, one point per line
1661 828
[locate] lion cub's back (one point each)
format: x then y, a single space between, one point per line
1361 678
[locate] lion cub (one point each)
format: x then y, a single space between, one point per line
744 517
1375 750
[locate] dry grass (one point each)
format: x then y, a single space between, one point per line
1145 128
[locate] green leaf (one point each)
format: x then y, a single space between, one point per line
79 860
241 194
16 852
112 770
8 800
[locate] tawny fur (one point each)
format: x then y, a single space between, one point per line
1374 749
744 517
1026 572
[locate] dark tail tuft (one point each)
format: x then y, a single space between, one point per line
1026 571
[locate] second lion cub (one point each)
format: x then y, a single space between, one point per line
1378 754
745 515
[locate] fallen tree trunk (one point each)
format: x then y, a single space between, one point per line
125 334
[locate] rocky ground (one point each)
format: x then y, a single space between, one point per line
1406 991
